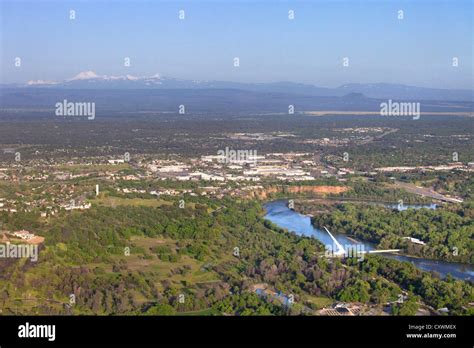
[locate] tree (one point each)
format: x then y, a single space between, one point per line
408 307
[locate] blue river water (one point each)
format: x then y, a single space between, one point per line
279 214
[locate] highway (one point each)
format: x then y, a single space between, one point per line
412 188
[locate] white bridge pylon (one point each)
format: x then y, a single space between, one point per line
340 249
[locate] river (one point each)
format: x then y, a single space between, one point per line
282 216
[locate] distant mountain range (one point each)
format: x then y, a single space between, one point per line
91 80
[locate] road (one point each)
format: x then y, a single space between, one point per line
412 188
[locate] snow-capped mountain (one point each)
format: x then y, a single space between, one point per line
85 75
91 80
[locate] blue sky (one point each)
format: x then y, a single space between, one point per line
417 50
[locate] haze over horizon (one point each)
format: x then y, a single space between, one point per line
158 78
417 50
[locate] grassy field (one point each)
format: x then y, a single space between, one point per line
319 301
115 201
185 270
